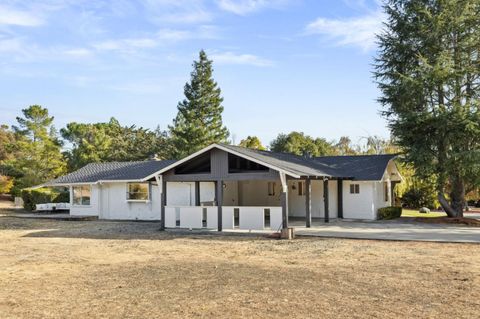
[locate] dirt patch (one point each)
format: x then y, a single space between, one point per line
448 220
55 269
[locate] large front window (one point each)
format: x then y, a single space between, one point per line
81 195
138 191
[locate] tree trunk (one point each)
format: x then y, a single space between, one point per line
457 198
457 195
446 205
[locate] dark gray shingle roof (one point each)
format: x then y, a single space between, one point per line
112 171
288 162
361 167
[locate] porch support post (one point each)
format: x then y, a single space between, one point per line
325 199
284 199
197 193
340 197
163 202
308 203
219 199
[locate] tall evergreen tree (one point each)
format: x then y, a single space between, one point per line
37 148
199 119
428 72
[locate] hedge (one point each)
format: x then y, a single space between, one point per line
391 212
31 197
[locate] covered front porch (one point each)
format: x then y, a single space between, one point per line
260 204
225 187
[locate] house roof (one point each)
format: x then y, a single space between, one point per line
112 171
298 165
359 167
362 167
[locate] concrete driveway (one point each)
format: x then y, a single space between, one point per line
392 230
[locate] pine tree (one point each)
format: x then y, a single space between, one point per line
38 149
199 119
429 75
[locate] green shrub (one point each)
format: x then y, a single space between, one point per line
391 212
31 197
423 196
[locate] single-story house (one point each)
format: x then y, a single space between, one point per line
224 186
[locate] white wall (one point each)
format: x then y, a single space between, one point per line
114 204
255 193
362 205
297 206
88 210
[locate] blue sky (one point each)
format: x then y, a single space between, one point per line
282 65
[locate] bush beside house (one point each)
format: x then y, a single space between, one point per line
391 212
32 197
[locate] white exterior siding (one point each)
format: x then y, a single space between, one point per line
114 204
359 206
296 203
86 210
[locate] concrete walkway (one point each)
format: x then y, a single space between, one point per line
393 230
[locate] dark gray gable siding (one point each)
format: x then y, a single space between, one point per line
94 172
219 171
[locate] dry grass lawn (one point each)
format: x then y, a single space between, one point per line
55 269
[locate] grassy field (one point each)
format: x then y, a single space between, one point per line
416 213
55 269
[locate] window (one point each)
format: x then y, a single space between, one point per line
354 188
386 193
271 188
81 195
138 191
301 188
238 164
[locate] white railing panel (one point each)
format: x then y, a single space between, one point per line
191 217
252 218
212 217
228 217
275 218
170 217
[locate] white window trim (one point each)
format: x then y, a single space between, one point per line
138 200
73 196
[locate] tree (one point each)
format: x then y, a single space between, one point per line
428 73
102 142
375 145
300 144
38 149
199 119
252 142
345 147
7 139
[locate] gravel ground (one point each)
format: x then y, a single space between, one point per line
58 269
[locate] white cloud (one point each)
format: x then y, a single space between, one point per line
244 59
359 32
177 11
162 37
243 7
10 16
78 53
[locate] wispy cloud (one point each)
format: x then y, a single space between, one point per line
359 32
177 11
160 38
243 7
11 16
242 59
